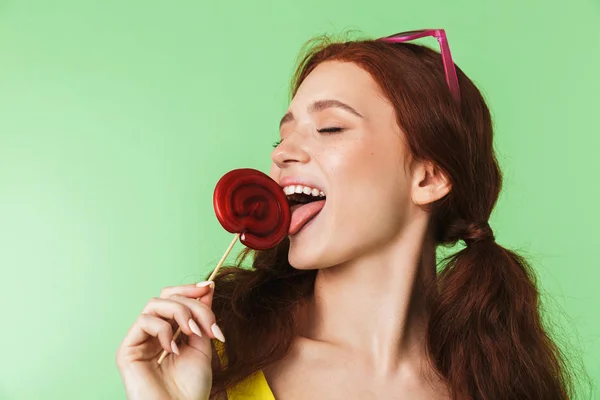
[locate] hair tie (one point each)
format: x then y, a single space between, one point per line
478 232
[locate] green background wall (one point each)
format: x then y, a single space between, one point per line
118 117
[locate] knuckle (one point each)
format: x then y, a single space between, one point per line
206 313
197 307
166 291
144 322
150 304
164 326
205 308
142 319
136 353
154 300
181 310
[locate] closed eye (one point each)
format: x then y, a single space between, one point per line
332 129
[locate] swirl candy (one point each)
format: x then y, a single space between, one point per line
250 204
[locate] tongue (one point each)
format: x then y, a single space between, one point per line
303 213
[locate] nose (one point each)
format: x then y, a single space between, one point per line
289 151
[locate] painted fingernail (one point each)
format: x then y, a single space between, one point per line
204 284
174 347
217 331
194 327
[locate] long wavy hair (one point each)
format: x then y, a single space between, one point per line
485 335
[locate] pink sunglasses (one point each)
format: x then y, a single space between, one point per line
440 35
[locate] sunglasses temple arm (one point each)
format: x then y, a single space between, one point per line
449 68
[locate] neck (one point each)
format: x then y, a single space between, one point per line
375 305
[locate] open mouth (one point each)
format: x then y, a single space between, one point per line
305 203
302 198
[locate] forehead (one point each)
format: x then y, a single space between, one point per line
342 81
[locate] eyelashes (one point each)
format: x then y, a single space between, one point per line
332 129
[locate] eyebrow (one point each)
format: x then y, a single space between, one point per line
321 105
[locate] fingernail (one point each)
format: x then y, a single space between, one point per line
217 331
194 327
174 347
204 284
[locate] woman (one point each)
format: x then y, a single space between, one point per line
394 147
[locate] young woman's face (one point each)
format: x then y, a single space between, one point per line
340 137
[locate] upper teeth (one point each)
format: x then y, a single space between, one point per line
288 190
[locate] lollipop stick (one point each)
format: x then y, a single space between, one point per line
212 276
235 238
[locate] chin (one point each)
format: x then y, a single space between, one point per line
307 255
302 260
312 248
314 254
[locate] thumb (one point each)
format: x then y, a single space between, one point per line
207 298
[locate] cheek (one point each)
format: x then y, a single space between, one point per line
345 157
274 172
365 165
370 180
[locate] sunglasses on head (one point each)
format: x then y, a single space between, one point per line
440 35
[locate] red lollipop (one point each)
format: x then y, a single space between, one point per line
253 206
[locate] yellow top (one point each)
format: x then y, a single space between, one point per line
254 387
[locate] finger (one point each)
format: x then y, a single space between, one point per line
173 310
191 290
202 314
204 292
147 326
207 298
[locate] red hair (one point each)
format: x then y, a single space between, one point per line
485 335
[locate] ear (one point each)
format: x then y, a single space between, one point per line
429 183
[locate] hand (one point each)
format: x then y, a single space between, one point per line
184 375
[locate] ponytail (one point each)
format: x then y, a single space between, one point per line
485 332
